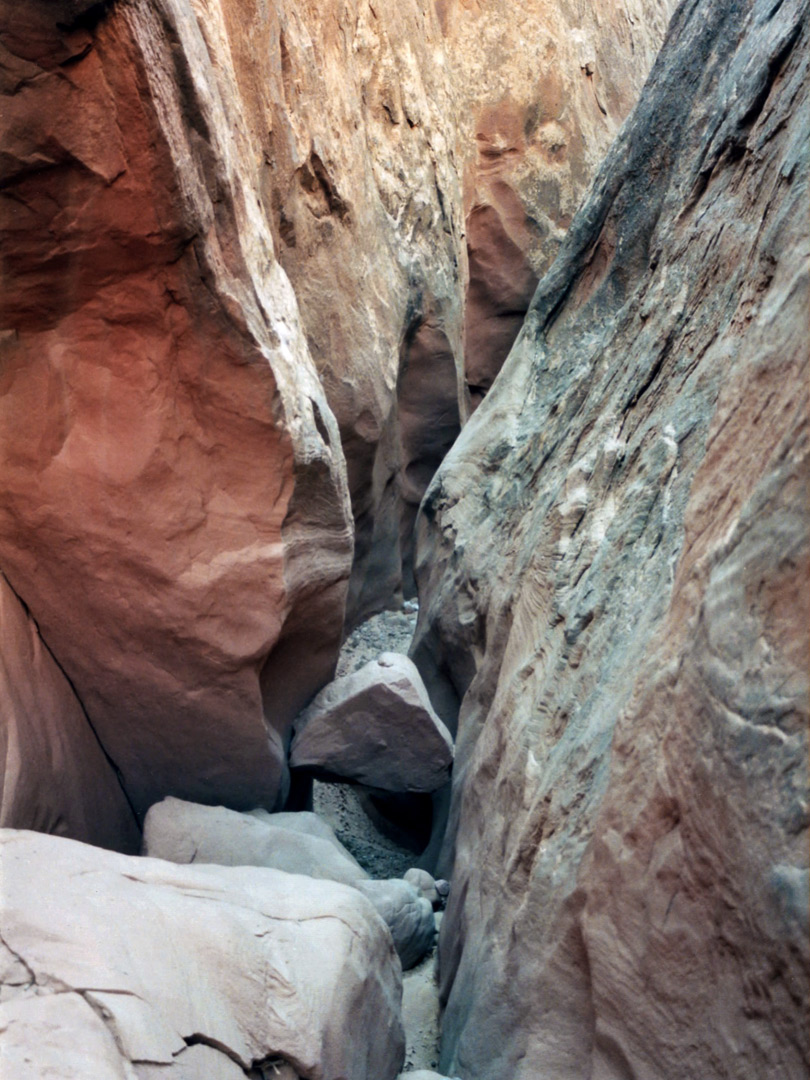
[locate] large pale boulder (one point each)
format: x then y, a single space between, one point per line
55 777
175 512
613 570
376 727
184 832
117 967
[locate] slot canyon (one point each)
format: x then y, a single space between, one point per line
404 540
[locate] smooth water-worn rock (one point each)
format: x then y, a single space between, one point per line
55 776
375 727
175 513
117 967
407 151
613 570
184 832
540 96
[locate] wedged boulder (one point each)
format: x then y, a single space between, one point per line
184 832
613 571
55 776
117 966
375 727
175 510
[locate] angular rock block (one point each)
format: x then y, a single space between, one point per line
117 967
184 832
375 727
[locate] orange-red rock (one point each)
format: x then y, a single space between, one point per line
175 514
613 567
55 778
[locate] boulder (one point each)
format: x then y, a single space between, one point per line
375 727
176 518
56 777
118 967
613 577
184 832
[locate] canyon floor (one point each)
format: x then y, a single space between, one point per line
382 857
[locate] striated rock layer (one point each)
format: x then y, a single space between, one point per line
175 513
613 567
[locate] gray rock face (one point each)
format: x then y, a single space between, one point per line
118 968
376 727
408 916
613 569
183 832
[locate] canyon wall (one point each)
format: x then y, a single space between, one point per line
422 162
613 571
542 97
235 269
175 514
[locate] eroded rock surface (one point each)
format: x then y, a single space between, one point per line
56 778
303 844
397 144
613 570
175 512
119 967
541 97
375 727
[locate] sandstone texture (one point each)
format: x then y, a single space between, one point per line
407 915
118 967
422 161
542 91
613 574
175 513
182 832
55 776
375 727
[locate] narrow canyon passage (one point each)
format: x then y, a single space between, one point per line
404 562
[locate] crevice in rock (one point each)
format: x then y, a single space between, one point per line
114 768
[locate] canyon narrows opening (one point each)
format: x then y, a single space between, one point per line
404 548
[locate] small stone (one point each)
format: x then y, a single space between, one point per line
424 884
